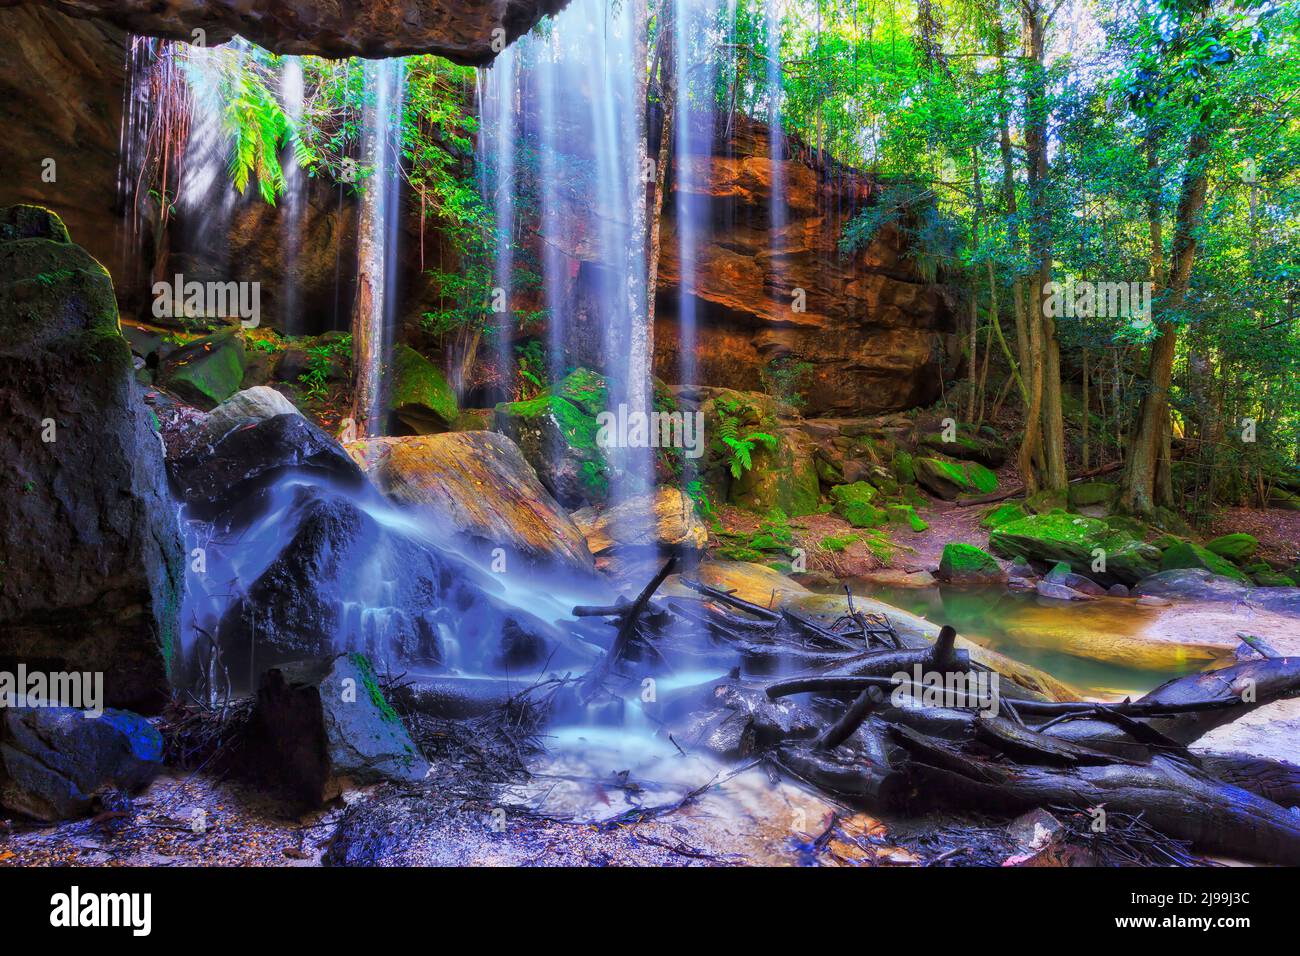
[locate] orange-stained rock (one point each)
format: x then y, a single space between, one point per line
873 329
476 485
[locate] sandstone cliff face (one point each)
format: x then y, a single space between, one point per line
465 31
61 88
872 329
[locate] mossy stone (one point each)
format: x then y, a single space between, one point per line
421 395
1088 545
997 516
963 563
1186 554
1235 547
854 503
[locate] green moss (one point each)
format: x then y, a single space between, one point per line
1273 579
1042 502
371 684
734 552
1077 541
1185 554
906 515
1001 514
952 478
966 562
1092 493
420 390
838 543
1236 547
854 504
208 370
588 391
904 469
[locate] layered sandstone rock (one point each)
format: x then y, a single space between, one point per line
466 31
871 327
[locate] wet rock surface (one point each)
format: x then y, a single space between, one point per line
479 486
93 578
56 762
322 726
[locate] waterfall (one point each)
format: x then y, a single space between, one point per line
776 145
295 186
374 309
693 132
498 125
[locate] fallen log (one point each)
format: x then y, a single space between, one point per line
1214 816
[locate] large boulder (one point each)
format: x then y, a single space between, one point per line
663 522
557 433
1087 545
982 445
93 577
55 760
479 486
1236 547
320 727
214 471
1186 554
777 467
419 394
949 479
249 406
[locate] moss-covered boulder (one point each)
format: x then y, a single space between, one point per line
999 515
777 467
1094 498
966 564
950 479
421 397
785 477
1185 554
207 371
1274 579
982 445
94 573
1236 547
1046 501
904 468
1088 545
906 515
559 440
855 503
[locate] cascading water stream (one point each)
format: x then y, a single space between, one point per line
375 307
776 143
294 199
498 125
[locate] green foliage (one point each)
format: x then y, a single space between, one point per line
786 379
738 440
321 358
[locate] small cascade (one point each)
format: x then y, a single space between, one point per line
292 219
375 307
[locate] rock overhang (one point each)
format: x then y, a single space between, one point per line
470 32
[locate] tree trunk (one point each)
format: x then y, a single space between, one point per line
1138 491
